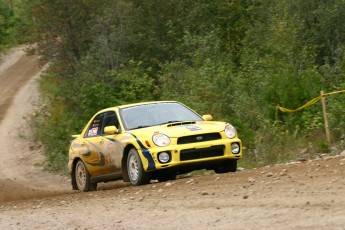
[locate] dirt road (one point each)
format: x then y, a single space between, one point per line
19 177
299 195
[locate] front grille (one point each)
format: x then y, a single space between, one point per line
199 138
192 154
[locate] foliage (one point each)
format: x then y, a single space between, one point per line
54 125
235 59
6 22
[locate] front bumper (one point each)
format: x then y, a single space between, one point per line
194 153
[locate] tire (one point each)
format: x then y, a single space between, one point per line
227 166
82 178
166 176
136 173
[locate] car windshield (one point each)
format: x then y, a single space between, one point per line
156 114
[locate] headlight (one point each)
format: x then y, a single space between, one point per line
161 140
235 148
230 131
163 157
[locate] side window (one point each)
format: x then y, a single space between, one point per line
110 119
95 126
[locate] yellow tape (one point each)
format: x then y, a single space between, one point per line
309 103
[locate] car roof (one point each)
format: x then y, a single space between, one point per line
136 104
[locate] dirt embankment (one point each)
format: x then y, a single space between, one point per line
299 195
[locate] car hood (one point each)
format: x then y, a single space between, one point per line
179 129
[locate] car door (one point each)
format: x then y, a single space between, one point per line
93 140
111 148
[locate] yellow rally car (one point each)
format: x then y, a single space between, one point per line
153 140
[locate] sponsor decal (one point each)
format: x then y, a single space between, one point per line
93 132
125 137
193 128
199 138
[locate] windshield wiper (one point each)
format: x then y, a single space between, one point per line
168 122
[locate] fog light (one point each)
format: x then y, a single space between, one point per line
235 148
163 157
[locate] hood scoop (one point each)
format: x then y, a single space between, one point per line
181 123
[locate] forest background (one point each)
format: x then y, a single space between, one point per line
234 59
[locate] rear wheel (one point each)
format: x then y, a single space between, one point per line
135 169
226 166
82 178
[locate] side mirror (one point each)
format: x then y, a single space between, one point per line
207 117
110 130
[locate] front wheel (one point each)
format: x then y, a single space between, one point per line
135 169
82 178
226 166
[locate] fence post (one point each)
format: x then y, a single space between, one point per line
323 101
